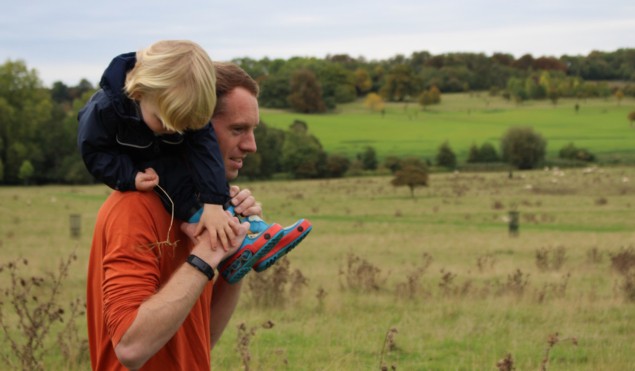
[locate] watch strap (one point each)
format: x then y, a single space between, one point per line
201 265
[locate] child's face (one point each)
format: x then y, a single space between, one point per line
150 115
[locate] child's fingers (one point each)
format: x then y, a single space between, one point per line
222 236
199 229
213 238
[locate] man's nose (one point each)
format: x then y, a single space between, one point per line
248 144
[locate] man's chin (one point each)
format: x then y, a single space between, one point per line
231 174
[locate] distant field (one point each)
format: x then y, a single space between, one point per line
463 119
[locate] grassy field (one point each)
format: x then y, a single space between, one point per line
432 283
463 119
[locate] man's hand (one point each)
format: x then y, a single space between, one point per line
146 180
244 203
202 244
220 225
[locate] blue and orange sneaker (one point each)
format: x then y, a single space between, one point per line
292 236
253 248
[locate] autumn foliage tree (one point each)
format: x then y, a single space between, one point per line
413 174
374 102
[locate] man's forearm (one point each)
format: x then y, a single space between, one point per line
159 318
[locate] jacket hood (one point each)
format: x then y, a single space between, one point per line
113 81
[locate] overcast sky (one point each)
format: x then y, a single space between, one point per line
67 40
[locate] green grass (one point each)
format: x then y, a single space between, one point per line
463 119
458 221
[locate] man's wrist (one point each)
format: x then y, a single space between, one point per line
201 266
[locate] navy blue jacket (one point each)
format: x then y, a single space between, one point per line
115 143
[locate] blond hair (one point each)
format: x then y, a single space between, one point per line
179 77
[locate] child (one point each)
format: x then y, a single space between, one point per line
153 111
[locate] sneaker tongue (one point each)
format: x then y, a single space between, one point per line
256 224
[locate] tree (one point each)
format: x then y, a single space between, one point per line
363 82
400 84
368 158
337 165
631 117
412 176
302 154
374 102
268 160
306 92
619 95
445 156
523 148
25 108
430 96
474 154
274 90
487 153
26 171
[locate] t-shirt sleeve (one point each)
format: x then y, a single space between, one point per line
131 267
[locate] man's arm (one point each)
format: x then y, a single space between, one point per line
159 317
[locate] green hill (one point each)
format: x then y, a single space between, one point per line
600 125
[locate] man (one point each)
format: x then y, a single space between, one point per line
150 303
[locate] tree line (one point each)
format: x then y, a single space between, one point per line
38 124
311 85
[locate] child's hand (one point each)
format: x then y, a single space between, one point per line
220 225
147 180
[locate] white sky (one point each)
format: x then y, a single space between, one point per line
67 40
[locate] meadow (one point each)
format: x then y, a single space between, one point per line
385 281
600 125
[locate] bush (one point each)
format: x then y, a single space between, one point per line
486 153
446 157
571 152
523 148
337 165
393 163
368 158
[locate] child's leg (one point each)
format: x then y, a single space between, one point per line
177 191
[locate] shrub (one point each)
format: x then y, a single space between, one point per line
486 153
523 148
337 165
571 152
368 158
445 156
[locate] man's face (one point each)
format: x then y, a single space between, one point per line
235 129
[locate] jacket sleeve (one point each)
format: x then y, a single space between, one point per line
208 170
97 142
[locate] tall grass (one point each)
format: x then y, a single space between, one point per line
434 283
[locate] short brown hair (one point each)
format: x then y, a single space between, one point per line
179 77
228 77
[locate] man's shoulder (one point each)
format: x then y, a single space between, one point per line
135 201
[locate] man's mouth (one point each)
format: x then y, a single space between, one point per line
237 161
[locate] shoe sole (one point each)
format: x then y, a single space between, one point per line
269 261
239 266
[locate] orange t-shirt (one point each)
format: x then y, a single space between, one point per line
125 268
